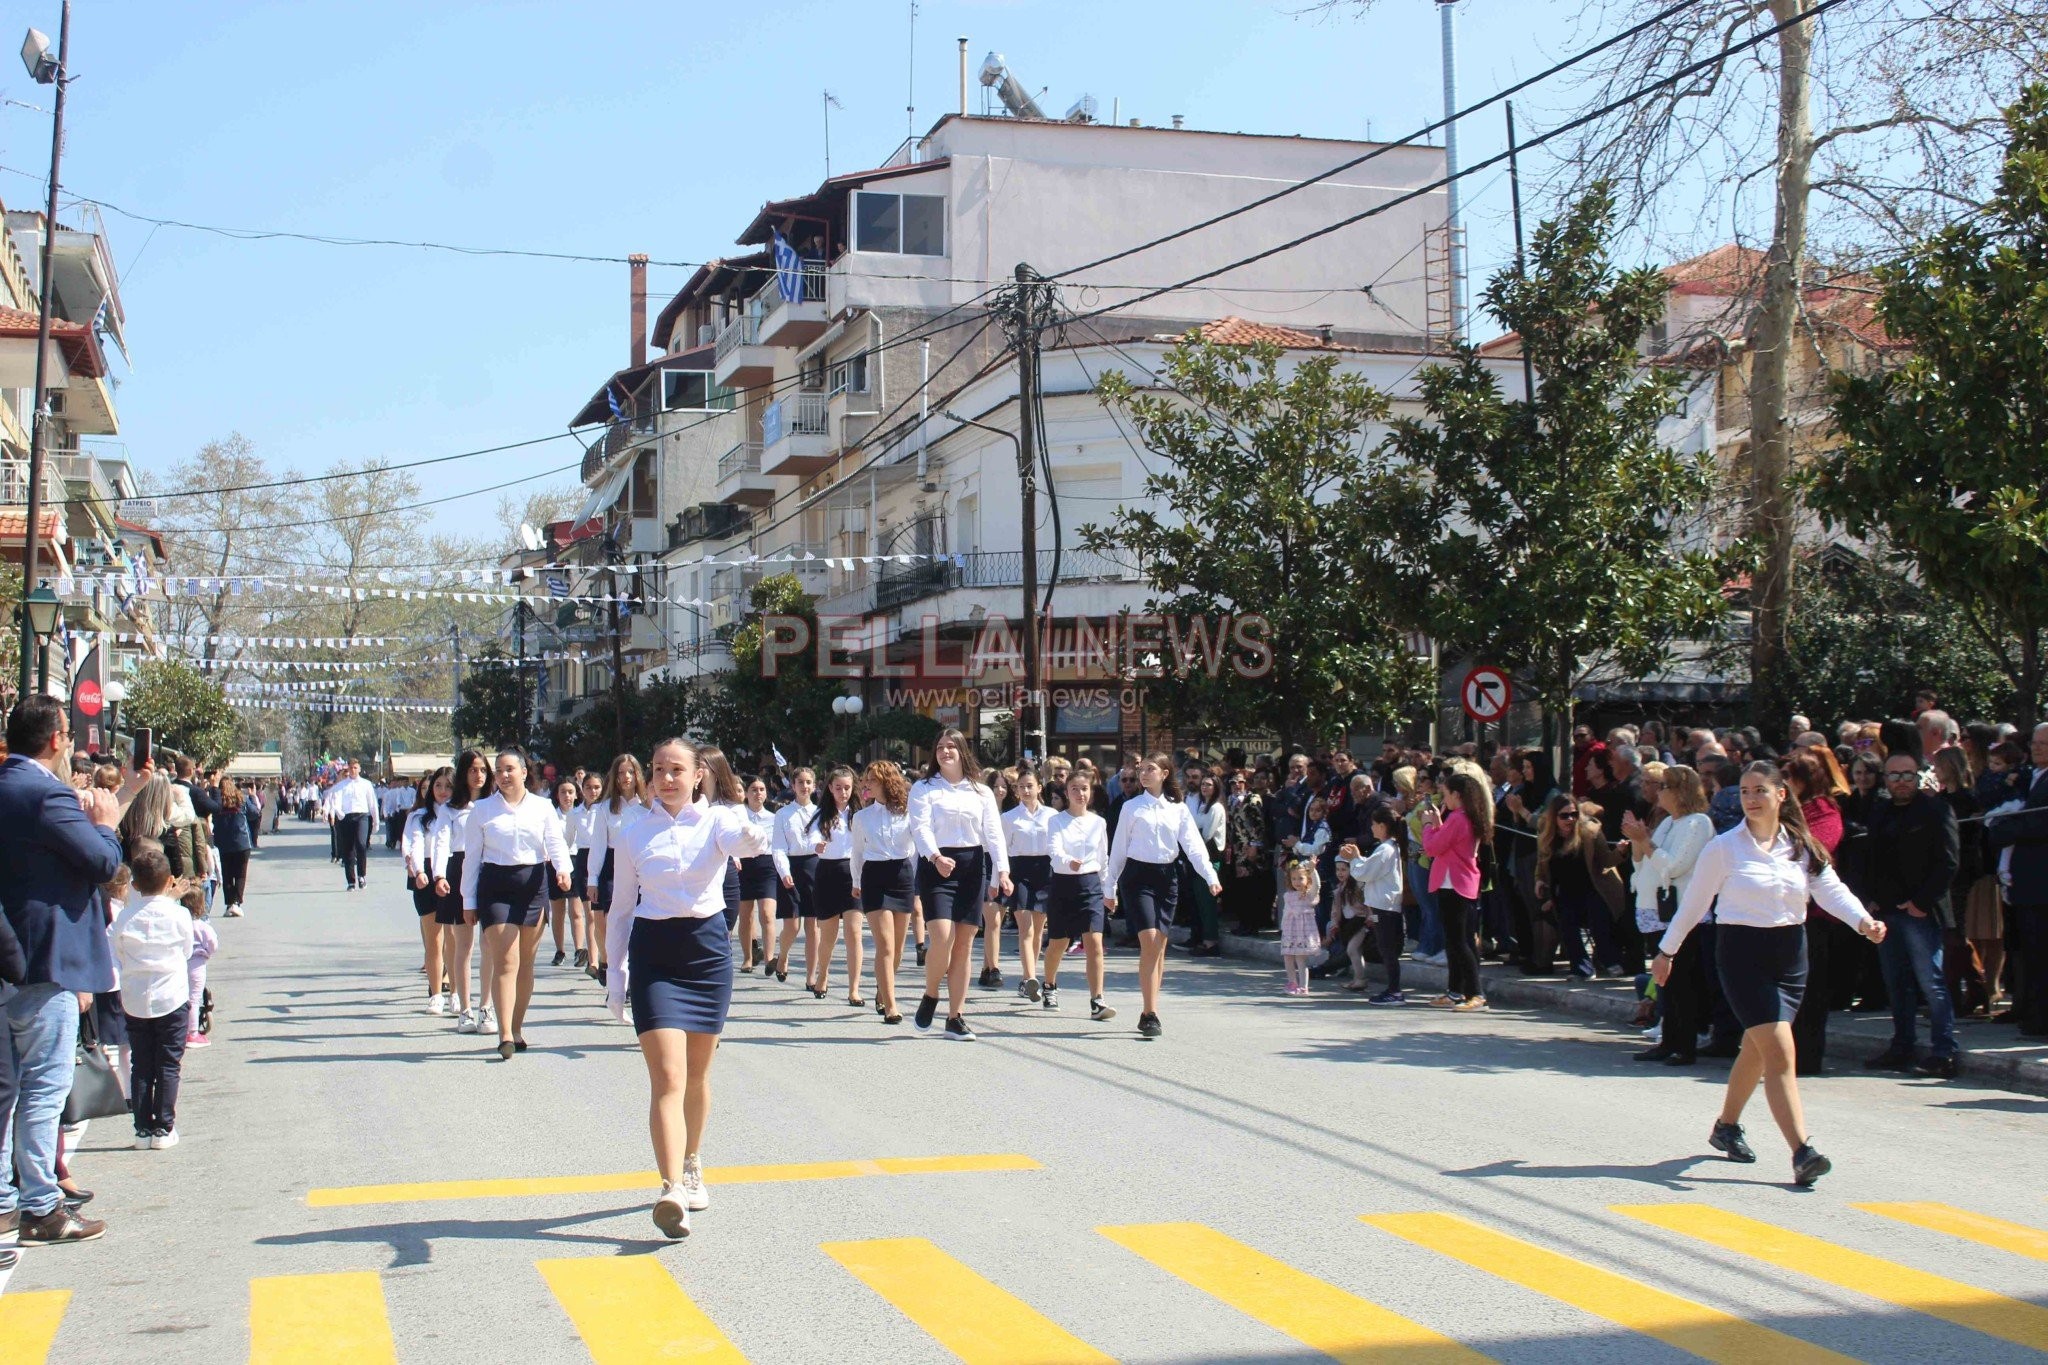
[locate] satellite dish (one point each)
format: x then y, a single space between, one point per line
529 537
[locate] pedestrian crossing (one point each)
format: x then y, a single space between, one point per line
632 1309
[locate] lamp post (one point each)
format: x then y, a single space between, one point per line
35 55
38 623
115 692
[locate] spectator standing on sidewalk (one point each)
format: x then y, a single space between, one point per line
2025 833
57 846
1913 857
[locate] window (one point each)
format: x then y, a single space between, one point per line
900 224
685 390
851 374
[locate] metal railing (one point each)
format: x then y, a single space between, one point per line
801 414
14 482
810 286
898 584
618 437
744 330
77 466
744 458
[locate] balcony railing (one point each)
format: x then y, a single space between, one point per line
899 584
744 330
810 286
802 414
744 458
14 482
618 437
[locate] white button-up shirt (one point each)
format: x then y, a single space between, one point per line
1675 847
1151 829
763 820
583 822
957 815
792 838
510 836
837 844
1027 833
570 826
350 796
1763 888
153 948
1078 839
879 836
672 867
606 832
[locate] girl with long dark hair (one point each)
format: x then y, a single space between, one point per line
512 838
959 839
757 887
568 906
624 801
1152 830
425 845
472 782
1027 834
883 855
796 861
1453 841
835 896
717 784
583 824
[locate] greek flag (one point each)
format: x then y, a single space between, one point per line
558 586
780 761
789 270
618 413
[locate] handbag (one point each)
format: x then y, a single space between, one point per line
95 1090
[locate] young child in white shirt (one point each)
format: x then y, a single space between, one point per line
153 948
205 943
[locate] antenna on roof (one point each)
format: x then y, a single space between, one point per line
910 106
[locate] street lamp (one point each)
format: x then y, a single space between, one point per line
115 692
38 623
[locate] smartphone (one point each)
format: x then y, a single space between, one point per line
145 740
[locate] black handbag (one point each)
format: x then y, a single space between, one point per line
95 1090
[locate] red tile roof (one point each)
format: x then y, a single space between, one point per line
81 348
1234 331
13 519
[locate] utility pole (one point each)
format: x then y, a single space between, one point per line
1521 256
1028 304
31 644
1454 215
455 690
519 665
612 557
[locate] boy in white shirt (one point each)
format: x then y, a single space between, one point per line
153 948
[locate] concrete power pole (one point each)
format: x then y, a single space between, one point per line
1454 216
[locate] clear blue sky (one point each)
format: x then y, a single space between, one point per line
603 128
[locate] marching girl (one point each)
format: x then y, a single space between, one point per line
570 905
512 838
472 782
716 784
835 896
1078 840
1002 783
1151 831
624 801
757 887
883 857
582 834
425 845
795 858
1026 829
1763 872
668 938
959 840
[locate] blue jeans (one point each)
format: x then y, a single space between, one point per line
1430 941
35 1078
1910 957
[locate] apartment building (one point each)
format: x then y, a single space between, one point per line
795 418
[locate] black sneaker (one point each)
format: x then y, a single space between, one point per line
1100 1012
560 958
1148 1026
1809 1166
920 954
1727 1137
1942 1068
1051 998
8 1257
1891 1059
956 1029
582 957
927 1010
990 978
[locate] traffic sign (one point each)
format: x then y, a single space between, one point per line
1486 693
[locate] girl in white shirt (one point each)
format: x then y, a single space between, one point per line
671 961
1078 843
1027 834
458 936
882 859
959 838
1664 859
796 861
1763 872
757 887
717 784
1151 831
624 801
567 907
582 833
1378 876
513 837
426 832
835 896
1001 785
152 940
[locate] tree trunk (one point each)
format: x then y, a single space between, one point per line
2030 679
1770 381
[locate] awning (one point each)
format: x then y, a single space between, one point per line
600 502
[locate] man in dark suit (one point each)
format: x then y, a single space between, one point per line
2026 834
1914 851
57 845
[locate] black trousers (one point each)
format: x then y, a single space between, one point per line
394 825
354 833
2030 972
1685 994
1461 955
156 1058
234 874
1391 932
1810 1025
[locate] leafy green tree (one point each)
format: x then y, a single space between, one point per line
1266 505
777 702
1943 456
10 633
495 692
1549 528
654 711
188 710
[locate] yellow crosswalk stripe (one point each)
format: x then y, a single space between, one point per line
630 1311
320 1320
2017 1238
432 1190
1703 1331
1317 1314
1965 1305
28 1324
972 1318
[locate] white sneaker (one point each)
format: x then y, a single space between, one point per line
467 1023
163 1140
484 1022
143 1142
670 1214
695 1197
436 1005
1654 1033
232 912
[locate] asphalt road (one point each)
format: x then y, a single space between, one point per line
1275 1179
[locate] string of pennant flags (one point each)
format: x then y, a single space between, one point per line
284 641
269 688
348 666
337 705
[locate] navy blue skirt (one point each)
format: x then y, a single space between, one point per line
732 895
579 873
1763 971
757 878
796 900
511 895
679 974
832 888
604 884
1146 894
1030 882
448 908
886 884
957 897
1073 905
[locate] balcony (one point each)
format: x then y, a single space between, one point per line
796 435
740 360
813 573
740 478
636 433
897 585
705 521
798 321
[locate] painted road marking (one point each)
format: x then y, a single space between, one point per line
649 1180
630 1311
1980 1310
320 1320
28 1324
2017 1238
963 1312
1315 1313
1703 1331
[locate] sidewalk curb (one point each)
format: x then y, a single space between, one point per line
1613 1003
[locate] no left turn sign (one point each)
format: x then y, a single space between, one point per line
1486 693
